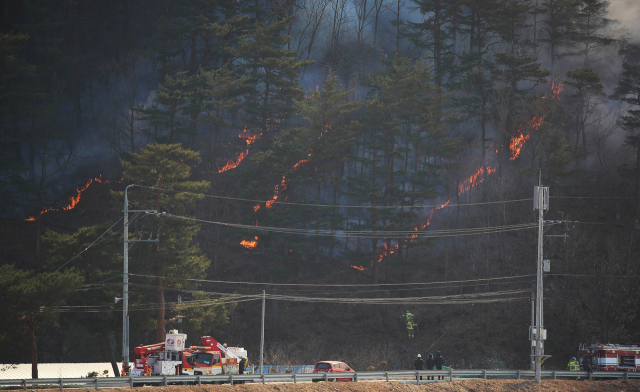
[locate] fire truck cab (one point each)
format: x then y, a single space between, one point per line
613 357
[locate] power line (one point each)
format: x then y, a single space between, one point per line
412 234
337 291
332 205
333 284
88 247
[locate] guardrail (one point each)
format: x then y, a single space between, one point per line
411 376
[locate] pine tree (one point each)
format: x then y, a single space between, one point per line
590 21
399 126
586 90
436 33
166 168
558 25
309 161
272 77
32 299
628 91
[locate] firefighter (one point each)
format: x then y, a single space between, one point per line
574 366
410 324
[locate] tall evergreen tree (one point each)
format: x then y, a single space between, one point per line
628 91
32 299
166 168
272 77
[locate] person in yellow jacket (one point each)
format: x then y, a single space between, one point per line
574 366
410 324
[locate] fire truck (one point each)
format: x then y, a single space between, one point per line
174 357
612 357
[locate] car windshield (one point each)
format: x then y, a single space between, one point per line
325 366
203 358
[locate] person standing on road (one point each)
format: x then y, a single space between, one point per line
586 364
430 364
439 363
419 364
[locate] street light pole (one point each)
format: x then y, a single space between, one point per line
262 334
125 286
541 203
125 277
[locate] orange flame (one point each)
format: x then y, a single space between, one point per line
250 244
283 185
475 179
517 142
249 139
74 199
358 268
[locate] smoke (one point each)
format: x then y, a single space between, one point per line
628 13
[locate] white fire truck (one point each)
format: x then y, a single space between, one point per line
613 357
174 357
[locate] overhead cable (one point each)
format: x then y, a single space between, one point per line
88 247
333 284
407 234
334 205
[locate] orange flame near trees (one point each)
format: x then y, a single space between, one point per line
74 199
250 244
249 139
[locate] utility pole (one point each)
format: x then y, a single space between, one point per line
262 333
541 203
125 279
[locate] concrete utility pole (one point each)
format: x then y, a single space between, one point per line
125 278
262 333
541 203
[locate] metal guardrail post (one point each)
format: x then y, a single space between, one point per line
231 379
199 382
386 374
554 375
24 384
355 376
60 381
417 377
95 382
589 376
518 374
484 374
325 377
263 378
131 381
164 381
450 375
626 375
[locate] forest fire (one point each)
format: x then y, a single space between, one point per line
517 142
74 199
282 186
475 179
250 244
249 139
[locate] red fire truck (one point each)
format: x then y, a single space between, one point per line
174 357
613 357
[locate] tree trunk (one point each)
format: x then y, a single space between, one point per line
34 353
112 357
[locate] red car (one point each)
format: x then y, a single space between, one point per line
332 367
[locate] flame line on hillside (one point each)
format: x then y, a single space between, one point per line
74 199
